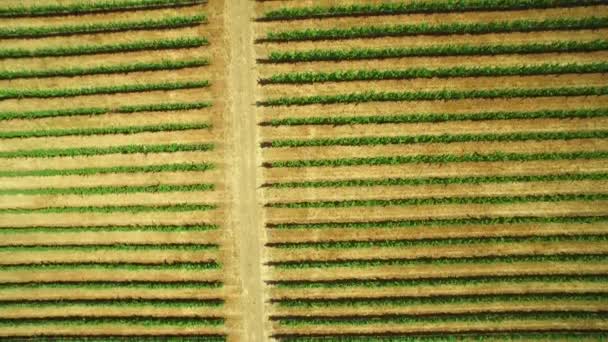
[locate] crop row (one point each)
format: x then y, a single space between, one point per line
461 281
161 303
104 229
442 180
94 49
373 9
590 23
438 95
118 285
181 337
135 208
587 258
91 7
438 159
177 167
437 242
185 228
442 318
519 335
95 151
126 321
413 73
430 51
109 248
103 90
129 266
442 200
438 139
105 190
436 117
64 30
441 300
104 69
104 130
161 107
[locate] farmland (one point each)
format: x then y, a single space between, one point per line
299 170
113 205
433 169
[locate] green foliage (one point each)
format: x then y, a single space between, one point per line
180 167
442 139
454 281
372 9
571 336
120 303
509 259
135 284
442 200
103 130
105 190
71 92
414 319
588 23
117 26
148 321
141 45
436 95
103 69
186 247
96 151
438 242
106 229
437 117
442 180
163 107
439 159
437 50
411 73
441 300
142 267
91 7
178 207
489 221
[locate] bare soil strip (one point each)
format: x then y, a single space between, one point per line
456 83
411 252
528 287
137 179
426 271
268 69
269 133
429 309
110 160
431 18
114 219
68 256
338 152
264 49
101 311
37 275
424 107
291 195
365 214
508 325
84 293
65 237
209 115
101 330
433 232
274 175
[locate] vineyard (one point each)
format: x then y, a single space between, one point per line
434 169
304 170
112 171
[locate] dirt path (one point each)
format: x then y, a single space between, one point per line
246 213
